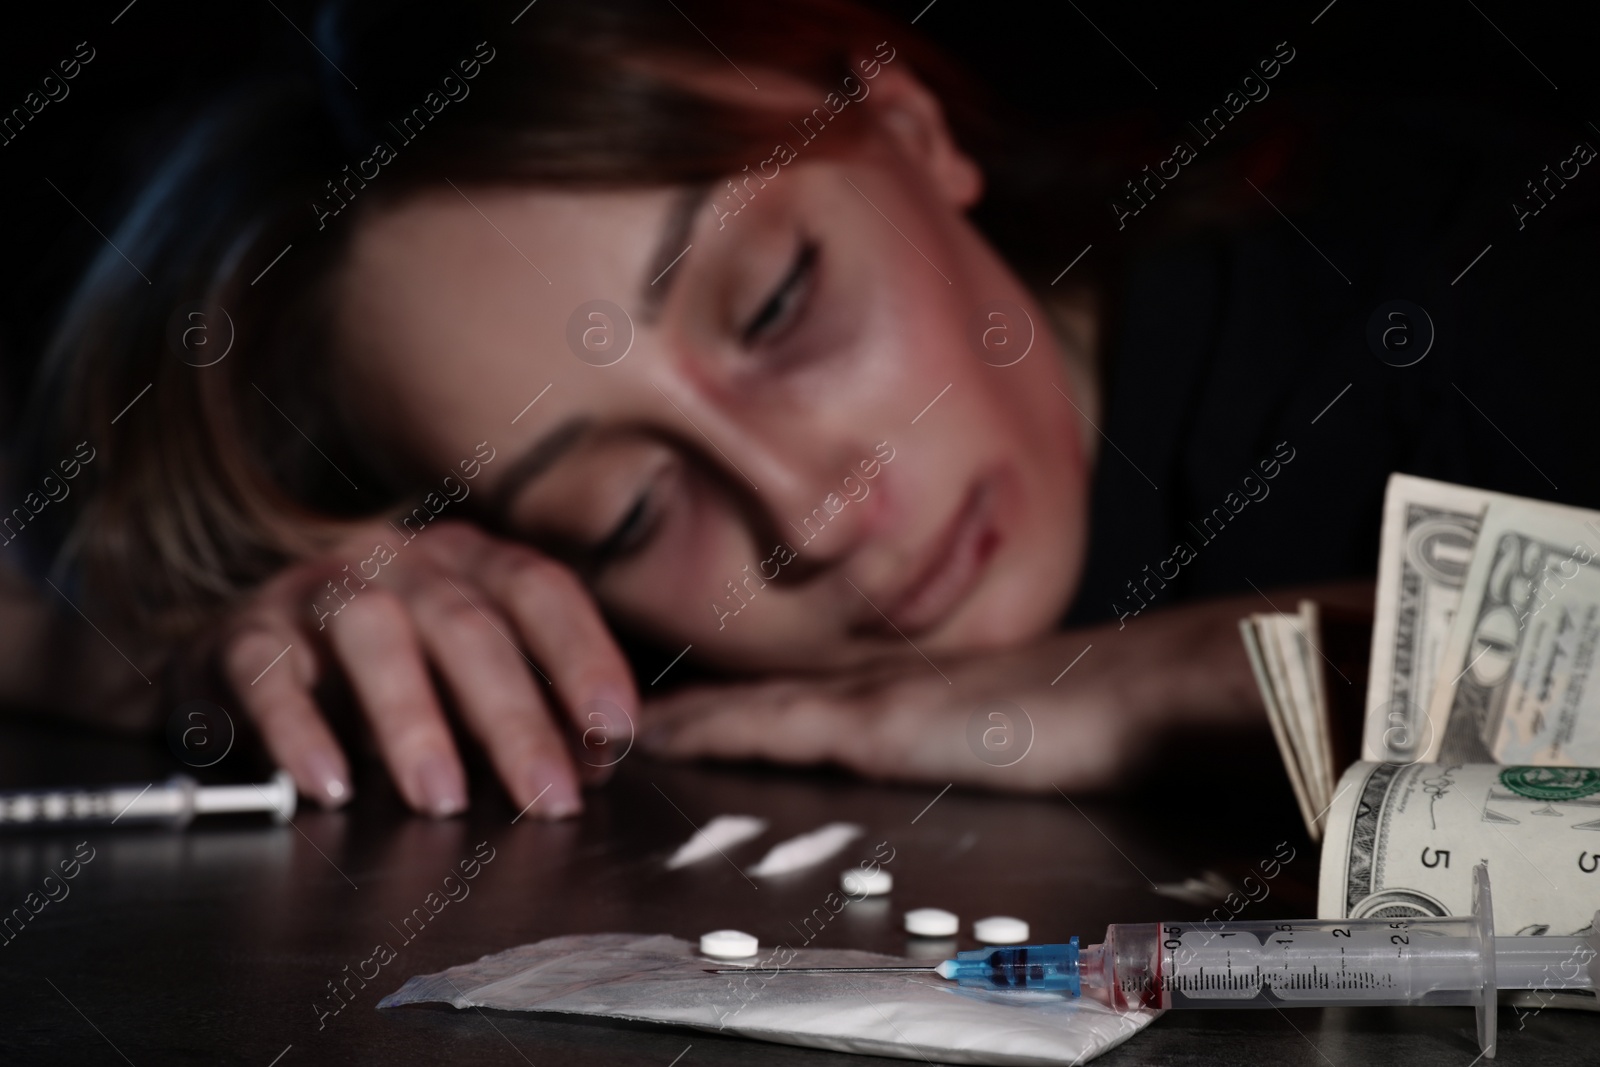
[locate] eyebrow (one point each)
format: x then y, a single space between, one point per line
536 459
670 247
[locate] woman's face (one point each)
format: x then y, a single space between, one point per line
808 454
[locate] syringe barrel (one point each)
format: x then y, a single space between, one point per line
1268 964
1373 961
170 802
1125 971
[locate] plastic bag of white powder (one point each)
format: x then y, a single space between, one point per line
656 978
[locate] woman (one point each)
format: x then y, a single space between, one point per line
573 332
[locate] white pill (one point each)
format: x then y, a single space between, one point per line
728 944
859 883
1000 930
932 922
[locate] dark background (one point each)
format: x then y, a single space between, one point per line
161 60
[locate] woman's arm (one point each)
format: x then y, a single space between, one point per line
1094 703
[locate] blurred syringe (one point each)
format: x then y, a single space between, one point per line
173 802
1386 960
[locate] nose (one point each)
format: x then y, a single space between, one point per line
792 483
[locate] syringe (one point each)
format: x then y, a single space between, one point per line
174 802
1320 962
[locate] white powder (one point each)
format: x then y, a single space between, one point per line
804 851
716 837
1210 888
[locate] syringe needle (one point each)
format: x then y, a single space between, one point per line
1040 967
829 970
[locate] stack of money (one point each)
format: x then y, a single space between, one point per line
1482 650
1285 654
1311 667
1481 729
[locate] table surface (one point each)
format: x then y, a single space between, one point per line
215 944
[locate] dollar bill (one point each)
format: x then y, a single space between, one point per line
1256 653
1402 840
1429 531
1257 633
1517 681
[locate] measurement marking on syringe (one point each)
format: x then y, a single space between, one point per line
1315 977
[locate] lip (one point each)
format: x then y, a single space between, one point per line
947 570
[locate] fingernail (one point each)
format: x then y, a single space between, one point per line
326 773
440 786
624 704
554 788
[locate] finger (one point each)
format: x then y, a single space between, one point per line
778 723
272 678
596 760
564 633
494 688
377 646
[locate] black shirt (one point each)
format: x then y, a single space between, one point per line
1247 348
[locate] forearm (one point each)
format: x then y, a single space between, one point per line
1196 670
1178 669
1076 710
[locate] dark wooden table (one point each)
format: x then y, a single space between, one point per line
217 944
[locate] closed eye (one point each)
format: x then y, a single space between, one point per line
630 534
781 307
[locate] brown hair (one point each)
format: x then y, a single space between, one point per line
220 473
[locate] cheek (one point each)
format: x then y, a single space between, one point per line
668 594
1013 418
1043 569
668 590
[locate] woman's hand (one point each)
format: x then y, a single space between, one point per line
512 635
1016 719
